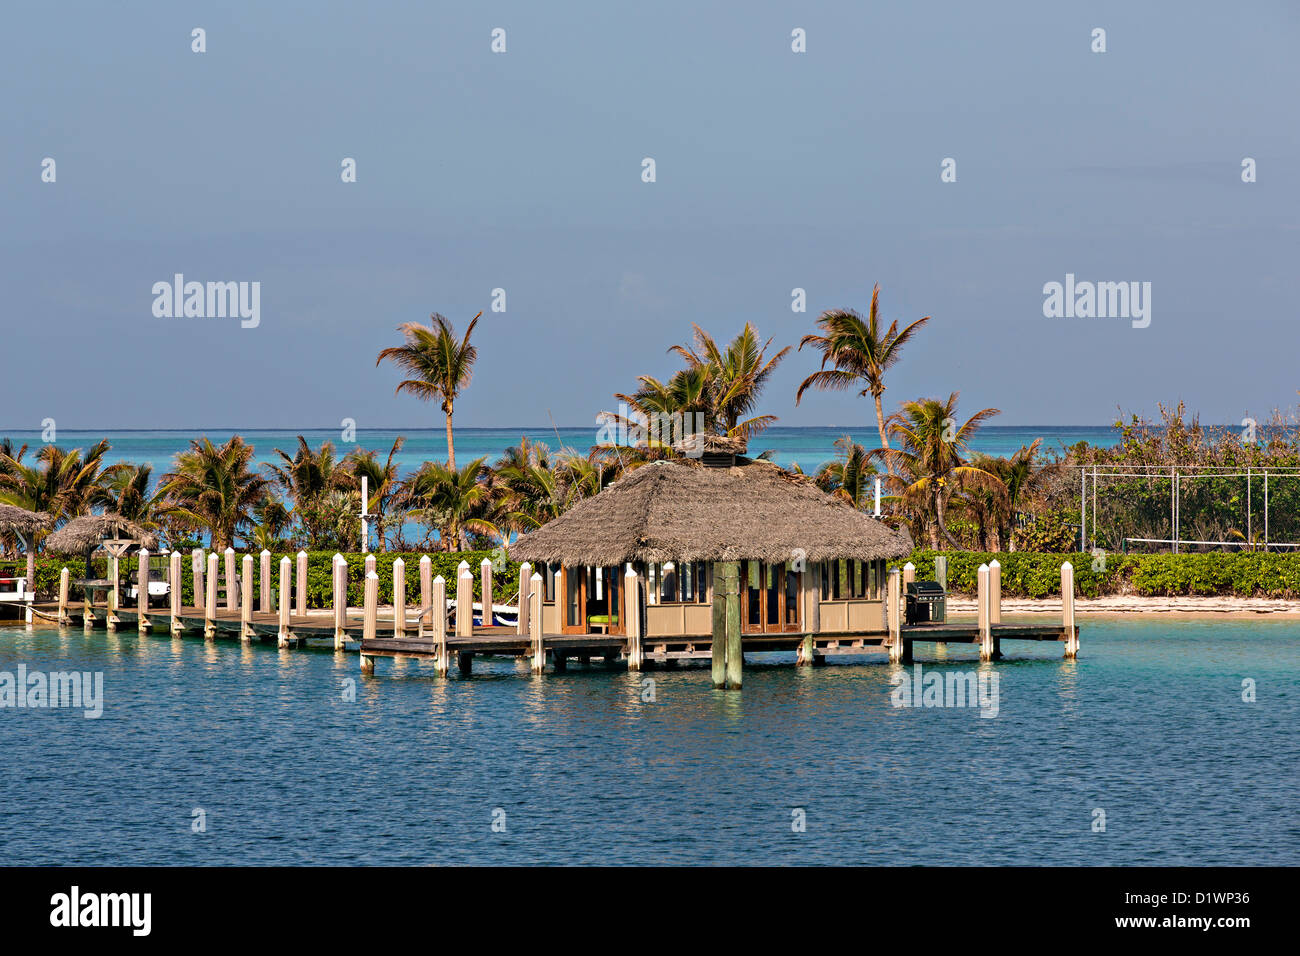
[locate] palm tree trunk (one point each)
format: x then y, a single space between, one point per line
451 446
880 422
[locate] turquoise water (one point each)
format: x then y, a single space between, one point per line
1148 725
807 446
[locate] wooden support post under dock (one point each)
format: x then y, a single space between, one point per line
536 641
438 624
812 595
399 598
246 600
983 599
175 595
735 651
142 592
727 656
302 583
631 614
893 616
371 609
210 600
65 579
339 583
264 583
284 635
485 576
1067 611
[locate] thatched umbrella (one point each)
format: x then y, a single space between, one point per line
722 508
26 524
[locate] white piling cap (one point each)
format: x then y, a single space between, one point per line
397 561
176 554
285 560
230 549
465 571
994 563
373 576
537 578
302 554
630 572
425 560
440 580
984 567
1067 564
463 566
909 566
266 552
485 562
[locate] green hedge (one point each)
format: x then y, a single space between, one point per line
1037 575
319 586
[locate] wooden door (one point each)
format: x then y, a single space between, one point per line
573 600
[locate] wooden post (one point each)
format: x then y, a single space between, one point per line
175 595
370 564
1067 611
525 590
812 597
115 575
285 634
302 583
339 578
982 600
264 583
197 562
65 580
735 648
941 570
909 575
426 594
246 600
535 637
464 601
110 617
232 599
485 577
142 591
438 623
718 653
893 617
210 599
995 592
370 620
632 614
399 598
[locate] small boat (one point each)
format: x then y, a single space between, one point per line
503 615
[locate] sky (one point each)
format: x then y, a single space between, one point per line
523 171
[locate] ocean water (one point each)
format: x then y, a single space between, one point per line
1147 726
809 447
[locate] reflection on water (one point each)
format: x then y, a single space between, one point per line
283 748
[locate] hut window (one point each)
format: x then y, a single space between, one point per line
668 586
678 582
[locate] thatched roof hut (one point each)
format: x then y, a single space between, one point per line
722 508
82 534
14 519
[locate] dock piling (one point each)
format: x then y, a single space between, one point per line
399 598
174 589
302 583
197 562
285 634
1067 611
535 623
893 621
485 576
525 605
264 583
438 623
232 594
65 580
995 592
370 620
909 575
632 614
426 594
210 601
983 600
339 582
464 601
246 600
142 592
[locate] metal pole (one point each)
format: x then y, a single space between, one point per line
1265 510
1249 538
1083 509
1094 506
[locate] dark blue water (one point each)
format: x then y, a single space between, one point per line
809 447
1148 725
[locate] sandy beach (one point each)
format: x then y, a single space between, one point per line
1215 606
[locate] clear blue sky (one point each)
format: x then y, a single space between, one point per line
523 171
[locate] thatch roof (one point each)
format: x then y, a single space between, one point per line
88 531
13 518
685 511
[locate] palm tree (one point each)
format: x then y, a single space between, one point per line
859 355
450 500
439 366
215 488
850 476
381 481
930 456
307 477
678 405
131 497
1019 479
63 483
735 377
